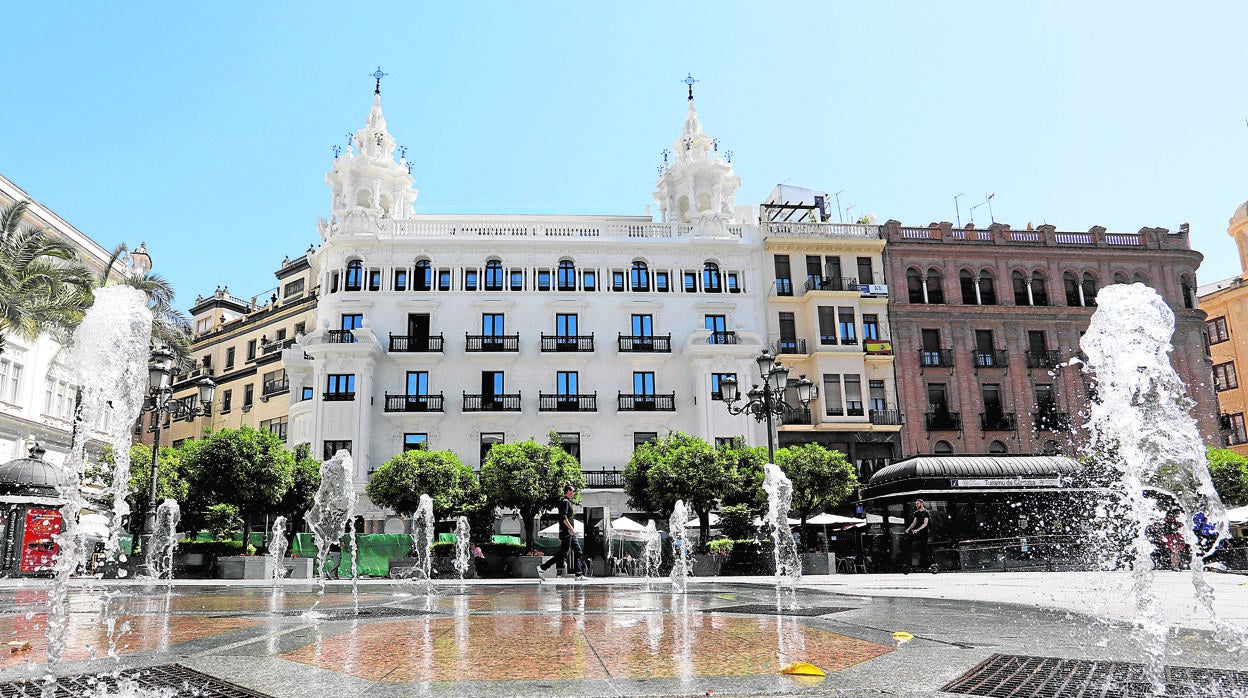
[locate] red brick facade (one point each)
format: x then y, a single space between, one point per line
986 353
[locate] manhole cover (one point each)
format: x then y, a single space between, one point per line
1045 677
364 612
763 609
184 681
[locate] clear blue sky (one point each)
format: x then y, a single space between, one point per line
205 128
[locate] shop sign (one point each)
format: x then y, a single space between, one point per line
1009 482
38 540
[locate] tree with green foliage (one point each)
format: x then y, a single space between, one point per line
171 482
400 481
305 480
677 467
529 477
745 463
1229 472
821 478
246 467
43 286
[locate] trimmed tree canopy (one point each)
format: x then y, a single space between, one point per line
821 477
400 481
1229 472
246 467
528 477
677 467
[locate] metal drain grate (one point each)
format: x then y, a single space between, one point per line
1048 677
365 612
186 682
763 609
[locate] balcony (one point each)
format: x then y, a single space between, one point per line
478 402
274 347
402 344
936 358
647 403
995 358
834 283
849 341
886 417
646 344
339 337
414 403
477 343
338 397
547 402
944 421
603 479
1047 359
801 416
997 421
784 287
877 347
791 346
568 343
728 337
1050 420
274 386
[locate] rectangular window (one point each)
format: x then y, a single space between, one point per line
716 392
814 272
691 282
400 279
517 279
643 383
275 426
827 325
1046 402
866 276
567 383
784 280
417 383
788 334
333 282
1224 376
415 442
293 288
644 437
351 321
229 358
543 280
251 349
249 395
374 279
565 325
488 441
937 399
643 326
306 393
832 395
444 279
849 332
226 398
617 281
1236 424
991 394
333 447
662 281
734 286
879 400
853 395
589 280
567 276
870 327
570 441
340 386
470 279
1217 330
492 324
718 325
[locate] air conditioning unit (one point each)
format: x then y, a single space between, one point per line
246 409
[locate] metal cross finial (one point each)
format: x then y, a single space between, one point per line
402 152
728 155
715 144
378 75
349 137
689 80
337 151
666 152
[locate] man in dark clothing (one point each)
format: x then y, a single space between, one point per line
569 545
918 530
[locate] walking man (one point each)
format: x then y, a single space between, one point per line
569 546
917 530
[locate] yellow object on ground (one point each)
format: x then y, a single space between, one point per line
801 669
902 636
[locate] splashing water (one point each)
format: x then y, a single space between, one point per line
163 541
332 509
462 555
653 556
1139 423
779 491
277 550
109 356
680 547
422 527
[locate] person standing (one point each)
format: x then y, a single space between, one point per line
918 532
569 546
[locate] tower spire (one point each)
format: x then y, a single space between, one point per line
378 75
689 80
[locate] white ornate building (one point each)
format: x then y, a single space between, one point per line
460 332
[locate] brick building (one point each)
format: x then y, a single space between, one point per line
983 319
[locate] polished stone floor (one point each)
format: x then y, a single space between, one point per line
561 639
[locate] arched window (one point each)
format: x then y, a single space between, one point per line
493 275
1039 289
942 448
424 276
639 277
997 447
967 282
1089 289
1139 278
354 280
1187 284
1071 286
935 286
1120 278
1022 294
987 288
710 278
567 275
914 286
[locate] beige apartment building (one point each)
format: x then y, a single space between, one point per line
1226 331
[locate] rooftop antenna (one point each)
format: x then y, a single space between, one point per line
848 208
987 201
956 210
839 217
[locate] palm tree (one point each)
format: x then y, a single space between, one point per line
170 327
43 286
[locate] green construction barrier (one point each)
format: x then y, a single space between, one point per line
446 538
514 540
374 551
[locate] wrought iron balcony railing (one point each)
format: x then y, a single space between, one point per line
492 342
997 421
646 344
339 337
547 402
996 358
1050 420
405 343
1043 358
479 402
274 386
728 337
603 479
944 421
338 397
647 403
891 417
936 358
791 346
415 403
569 343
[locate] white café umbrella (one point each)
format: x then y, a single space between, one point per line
834 520
1237 516
628 529
713 518
551 532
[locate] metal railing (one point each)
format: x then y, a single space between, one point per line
569 343
801 416
339 337
1050 420
479 402
406 343
601 479
995 358
997 421
890 417
936 358
415 403
338 397
547 402
1043 358
274 386
491 342
944 421
631 402
831 283
728 337
1040 552
277 346
792 346
822 230
644 343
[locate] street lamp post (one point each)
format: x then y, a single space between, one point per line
160 400
767 401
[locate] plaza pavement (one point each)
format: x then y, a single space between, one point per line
612 637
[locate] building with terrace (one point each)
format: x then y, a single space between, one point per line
463 332
986 322
1225 303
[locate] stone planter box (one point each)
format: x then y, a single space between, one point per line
296 567
525 566
818 563
403 568
706 565
243 567
442 568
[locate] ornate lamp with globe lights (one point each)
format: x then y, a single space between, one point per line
766 401
161 401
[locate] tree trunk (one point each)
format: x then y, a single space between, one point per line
704 528
528 515
246 530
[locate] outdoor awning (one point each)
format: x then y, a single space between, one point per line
958 473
